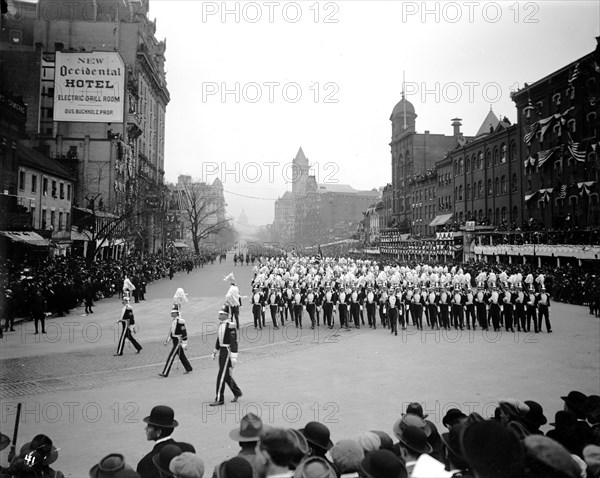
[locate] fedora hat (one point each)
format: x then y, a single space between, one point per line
535 415
416 409
113 466
301 448
564 419
315 467
383 464
575 400
187 465
415 440
162 416
453 416
317 434
251 429
410 420
42 445
163 458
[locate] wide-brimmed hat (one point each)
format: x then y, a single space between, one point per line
187 465
162 416
315 467
383 464
415 440
452 416
42 444
575 400
113 466
162 459
251 429
535 415
410 420
317 434
416 409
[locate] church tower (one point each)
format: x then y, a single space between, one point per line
299 174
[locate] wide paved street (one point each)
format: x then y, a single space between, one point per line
91 403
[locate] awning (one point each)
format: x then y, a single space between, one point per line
180 245
28 237
440 220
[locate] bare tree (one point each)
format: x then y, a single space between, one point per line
204 211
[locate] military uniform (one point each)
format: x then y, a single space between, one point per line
355 308
226 347
543 305
470 309
127 320
392 313
343 308
177 334
508 307
432 307
520 310
311 306
329 300
444 305
371 305
530 311
258 303
298 306
274 301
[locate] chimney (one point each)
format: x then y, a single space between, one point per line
456 124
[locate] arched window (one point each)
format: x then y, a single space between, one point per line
503 153
514 183
497 216
503 185
504 218
479 189
496 157
473 163
488 159
490 215
515 214
468 191
461 162
513 151
467 165
489 187
592 124
460 217
480 160
480 214
460 192
571 125
497 188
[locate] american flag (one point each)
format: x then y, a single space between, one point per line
531 132
575 73
544 156
578 151
562 192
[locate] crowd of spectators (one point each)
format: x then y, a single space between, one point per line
510 444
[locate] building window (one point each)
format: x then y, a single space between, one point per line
496 156
54 189
60 221
592 124
33 183
503 185
479 189
489 187
513 151
503 153
44 219
68 192
45 186
571 92
488 159
62 190
480 160
460 192
22 180
473 163
504 218
468 166
460 165
556 99
52 219
514 183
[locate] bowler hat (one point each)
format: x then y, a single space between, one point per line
453 416
564 419
416 409
163 458
43 445
113 466
575 400
162 416
251 428
415 440
383 464
535 415
317 434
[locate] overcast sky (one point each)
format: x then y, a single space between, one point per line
251 82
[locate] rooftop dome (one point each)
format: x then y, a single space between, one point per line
399 108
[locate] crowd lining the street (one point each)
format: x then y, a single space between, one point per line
508 445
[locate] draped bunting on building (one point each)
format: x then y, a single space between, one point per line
585 188
545 194
530 161
544 124
529 197
545 155
531 131
577 150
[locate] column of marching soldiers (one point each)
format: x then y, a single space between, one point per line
345 293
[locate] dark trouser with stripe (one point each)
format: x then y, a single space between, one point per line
328 313
234 312
544 312
311 309
508 317
470 316
433 314
126 334
371 313
482 316
256 314
225 375
531 314
298 314
273 309
354 312
177 350
417 313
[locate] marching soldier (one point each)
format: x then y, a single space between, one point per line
416 309
342 308
406 303
328 303
458 311
288 298
481 307
432 306
543 304
258 302
470 308
508 307
370 305
226 348
495 309
274 305
530 310
298 306
127 320
383 298
311 306
520 317
392 313
444 305
177 334
355 307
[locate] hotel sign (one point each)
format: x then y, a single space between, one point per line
89 87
